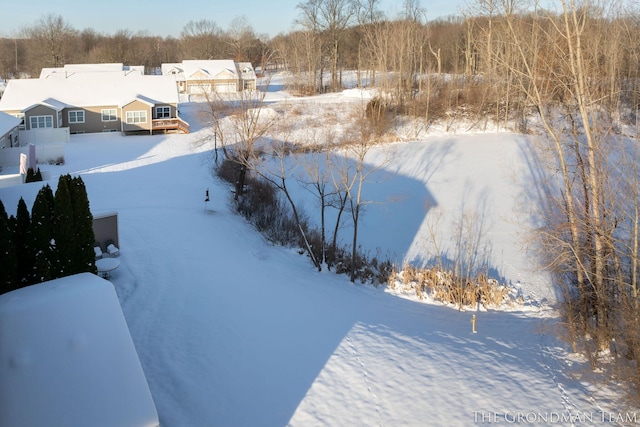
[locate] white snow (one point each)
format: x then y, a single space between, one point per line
67 358
233 331
7 123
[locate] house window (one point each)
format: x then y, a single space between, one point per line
109 115
136 117
41 122
76 116
163 112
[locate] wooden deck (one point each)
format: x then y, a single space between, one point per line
176 124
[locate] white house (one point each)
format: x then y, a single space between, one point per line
216 75
247 75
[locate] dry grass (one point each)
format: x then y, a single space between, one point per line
444 287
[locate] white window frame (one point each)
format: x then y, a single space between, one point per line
76 118
135 117
37 122
107 116
163 112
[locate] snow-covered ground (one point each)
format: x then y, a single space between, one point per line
232 331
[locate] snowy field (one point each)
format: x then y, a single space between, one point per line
232 331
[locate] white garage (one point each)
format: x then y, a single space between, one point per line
225 87
199 88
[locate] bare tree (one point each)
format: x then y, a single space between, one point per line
117 48
470 251
278 174
330 18
367 15
239 123
312 44
353 177
319 179
240 39
201 40
54 37
589 237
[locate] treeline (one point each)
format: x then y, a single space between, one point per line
53 42
341 35
466 67
54 240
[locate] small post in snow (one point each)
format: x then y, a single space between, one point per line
473 324
206 199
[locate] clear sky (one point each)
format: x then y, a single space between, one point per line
164 17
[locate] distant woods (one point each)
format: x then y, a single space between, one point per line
53 42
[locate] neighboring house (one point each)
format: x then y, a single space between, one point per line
216 75
3 86
8 130
68 69
247 75
98 101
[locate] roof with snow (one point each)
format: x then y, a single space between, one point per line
172 68
62 72
7 122
100 88
197 69
67 358
246 71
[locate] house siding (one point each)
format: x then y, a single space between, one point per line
40 110
92 120
137 106
9 139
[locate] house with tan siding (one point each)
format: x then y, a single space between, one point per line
211 76
99 101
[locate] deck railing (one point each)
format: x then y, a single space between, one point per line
171 124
